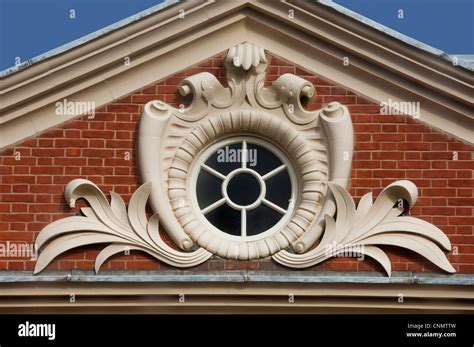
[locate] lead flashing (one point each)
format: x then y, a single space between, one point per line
177 276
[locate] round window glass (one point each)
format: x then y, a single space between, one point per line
244 187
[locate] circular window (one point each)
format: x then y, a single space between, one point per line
246 196
244 187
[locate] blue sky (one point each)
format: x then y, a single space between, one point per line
32 27
444 24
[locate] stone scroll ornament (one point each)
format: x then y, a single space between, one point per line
324 221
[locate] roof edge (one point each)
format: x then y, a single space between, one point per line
87 38
397 35
161 44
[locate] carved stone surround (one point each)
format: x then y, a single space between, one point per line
319 145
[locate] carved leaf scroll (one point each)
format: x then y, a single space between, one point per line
121 228
360 230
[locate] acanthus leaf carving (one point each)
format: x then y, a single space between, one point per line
360 230
123 229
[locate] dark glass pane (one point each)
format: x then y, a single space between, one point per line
208 189
243 189
226 219
226 158
260 219
279 189
261 159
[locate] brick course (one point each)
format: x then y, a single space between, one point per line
33 173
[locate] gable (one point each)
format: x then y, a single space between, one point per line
103 149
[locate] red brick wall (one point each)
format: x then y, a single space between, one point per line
33 173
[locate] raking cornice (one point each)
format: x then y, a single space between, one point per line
318 38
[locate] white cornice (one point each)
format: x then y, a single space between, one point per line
317 38
234 292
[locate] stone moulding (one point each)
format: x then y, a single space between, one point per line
319 144
258 124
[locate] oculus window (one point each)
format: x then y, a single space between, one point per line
245 187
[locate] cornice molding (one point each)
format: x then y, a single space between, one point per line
234 292
380 67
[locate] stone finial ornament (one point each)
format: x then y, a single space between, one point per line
315 148
246 55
